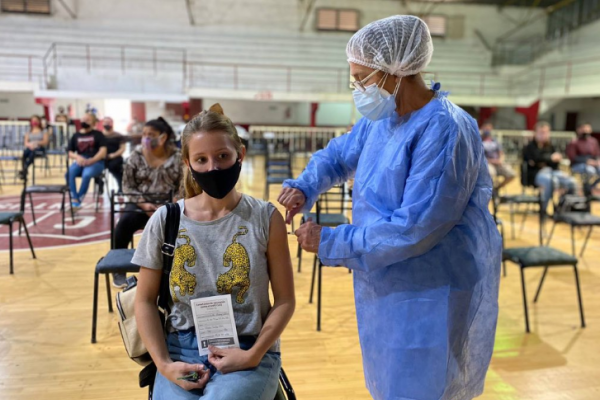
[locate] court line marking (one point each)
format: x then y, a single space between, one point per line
62 246
54 236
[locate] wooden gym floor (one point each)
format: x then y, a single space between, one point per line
46 309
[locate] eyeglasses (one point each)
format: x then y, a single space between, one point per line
360 85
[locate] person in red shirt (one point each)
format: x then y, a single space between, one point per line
584 153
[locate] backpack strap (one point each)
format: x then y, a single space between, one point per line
168 250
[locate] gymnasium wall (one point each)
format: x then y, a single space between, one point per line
233 16
18 105
588 109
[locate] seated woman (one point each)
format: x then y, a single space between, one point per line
214 218
88 148
115 147
35 141
152 168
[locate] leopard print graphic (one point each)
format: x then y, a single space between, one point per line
239 274
184 280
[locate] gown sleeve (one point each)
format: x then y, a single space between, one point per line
442 176
332 165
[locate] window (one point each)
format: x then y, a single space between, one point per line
330 19
26 6
437 25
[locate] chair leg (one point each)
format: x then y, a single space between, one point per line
62 209
28 238
312 280
502 238
524 299
95 308
585 241
97 198
573 241
525 215
539 289
110 307
319 287
551 234
71 207
512 221
10 244
579 296
299 258
32 210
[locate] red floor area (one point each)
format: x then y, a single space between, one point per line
89 226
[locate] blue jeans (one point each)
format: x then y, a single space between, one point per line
547 179
591 171
86 174
258 383
29 155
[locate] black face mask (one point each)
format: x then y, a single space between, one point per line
85 125
584 136
218 182
108 127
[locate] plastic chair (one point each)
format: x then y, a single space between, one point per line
542 256
119 260
28 191
519 199
278 168
331 211
8 218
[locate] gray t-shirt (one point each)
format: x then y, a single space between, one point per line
492 149
225 256
36 137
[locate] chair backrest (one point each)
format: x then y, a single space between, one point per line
120 201
334 201
284 159
527 179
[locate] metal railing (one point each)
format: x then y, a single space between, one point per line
12 137
296 139
514 141
558 78
22 67
301 140
236 76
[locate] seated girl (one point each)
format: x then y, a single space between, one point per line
35 142
228 244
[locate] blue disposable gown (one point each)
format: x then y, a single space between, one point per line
424 248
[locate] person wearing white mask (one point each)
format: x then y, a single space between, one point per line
423 245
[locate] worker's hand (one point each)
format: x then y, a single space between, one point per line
292 200
556 157
309 236
592 162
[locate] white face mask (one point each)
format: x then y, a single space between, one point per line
376 103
